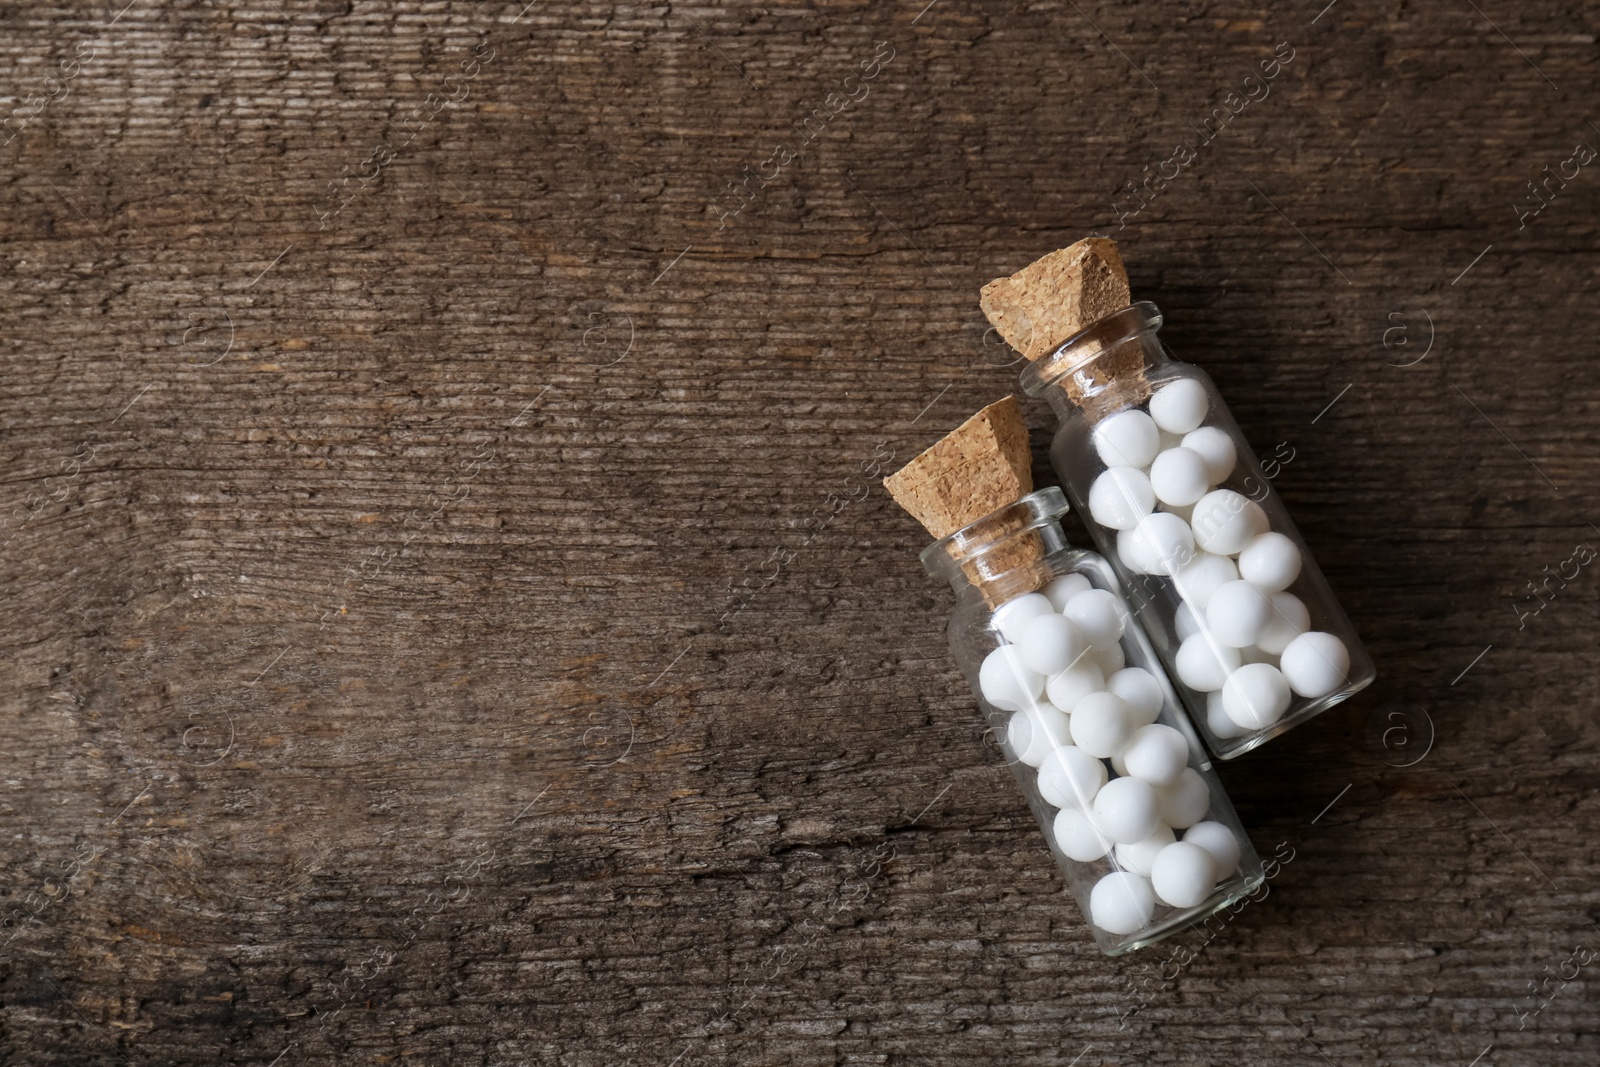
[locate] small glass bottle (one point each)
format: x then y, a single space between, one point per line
1090 726
1236 608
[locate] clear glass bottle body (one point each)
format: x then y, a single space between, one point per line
1236 608
1092 730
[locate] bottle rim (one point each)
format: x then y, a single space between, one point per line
946 557
1101 336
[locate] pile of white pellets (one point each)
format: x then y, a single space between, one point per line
1121 780
1244 639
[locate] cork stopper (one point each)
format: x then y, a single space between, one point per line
1056 297
976 469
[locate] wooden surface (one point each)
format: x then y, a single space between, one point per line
451 616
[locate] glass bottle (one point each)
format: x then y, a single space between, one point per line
1091 727
1217 573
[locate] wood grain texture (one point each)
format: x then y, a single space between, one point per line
451 617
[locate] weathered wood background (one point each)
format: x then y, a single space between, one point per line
451 616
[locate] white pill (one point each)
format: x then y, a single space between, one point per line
1182 874
1127 810
1050 644
1140 856
1157 753
1256 695
1127 439
1120 497
1111 659
1217 448
1007 682
1135 554
1121 903
1204 663
1062 589
1012 617
1102 725
1271 562
1186 801
1180 406
1289 620
1034 732
1204 575
1099 616
1218 840
1167 542
1225 521
1064 690
1178 477
1238 613
1184 621
1138 689
1217 718
1316 664
1070 778
1077 837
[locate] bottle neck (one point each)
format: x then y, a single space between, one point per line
1103 368
1004 554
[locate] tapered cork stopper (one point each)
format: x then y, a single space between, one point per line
983 464
976 469
1053 298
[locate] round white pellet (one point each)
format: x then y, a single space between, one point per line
1120 497
1204 664
1070 778
1012 617
1138 689
1256 695
1289 620
1204 575
1184 621
1238 613
1007 682
1218 840
1157 753
1077 837
1050 644
1140 856
1180 406
1135 554
1186 801
1121 903
1217 718
1111 659
1271 562
1178 477
1035 732
1216 447
1102 725
1182 874
1127 439
1225 521
1127 810
1064 690
1099 616
1062 589
1167 542
1316 664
